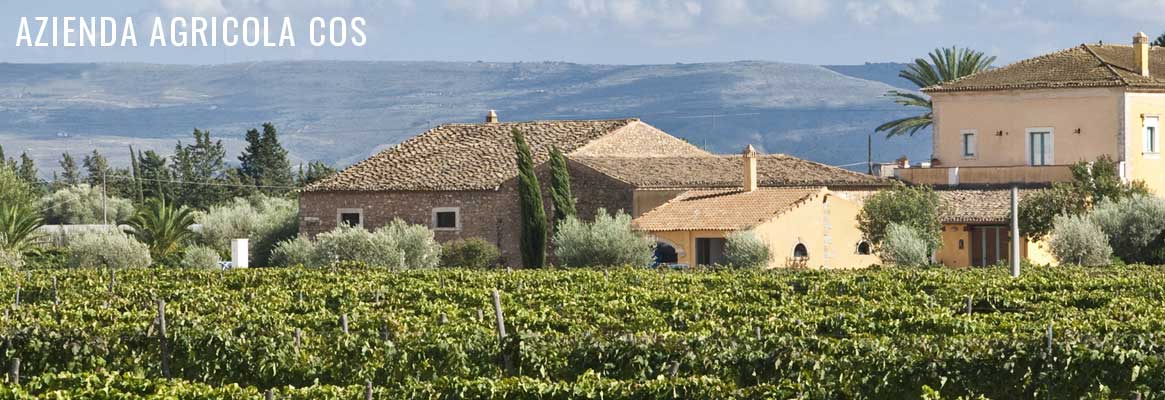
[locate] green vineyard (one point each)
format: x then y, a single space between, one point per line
350 333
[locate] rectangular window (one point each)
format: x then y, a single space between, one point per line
350 216
447 218
1039 145
968 144
710 251
1151 140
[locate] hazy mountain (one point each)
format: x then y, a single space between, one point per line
341 112
880 72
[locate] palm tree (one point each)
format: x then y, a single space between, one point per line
945 65
18 228
162 227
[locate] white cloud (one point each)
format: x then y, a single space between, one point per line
668 15
754 12
489 9
871 11
1140 10
194 7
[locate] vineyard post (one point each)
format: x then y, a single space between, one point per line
675 368
344 323
480 315
56 296
16 300
112 278
968 305
1049 339
298 339
368 390
270 395
507 362
1015 232
497 298
162 338
758 334
444 319
14 373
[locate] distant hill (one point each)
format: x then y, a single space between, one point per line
878 72
341 112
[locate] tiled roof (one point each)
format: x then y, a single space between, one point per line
481 156
725 172
967 206
724 209
1086 65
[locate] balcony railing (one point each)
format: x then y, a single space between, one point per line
1024 174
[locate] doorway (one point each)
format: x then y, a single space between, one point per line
990 245
709 251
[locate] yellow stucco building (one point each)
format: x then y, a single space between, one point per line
1028 122
804 226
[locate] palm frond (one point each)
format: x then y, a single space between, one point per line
941 65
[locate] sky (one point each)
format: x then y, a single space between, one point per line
619 31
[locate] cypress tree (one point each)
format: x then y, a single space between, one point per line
70 175
533 240
276 169
136 171
27 169
560 187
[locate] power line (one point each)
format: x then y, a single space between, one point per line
204 183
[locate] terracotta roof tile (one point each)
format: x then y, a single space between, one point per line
966 206
724 209
481 156
725 172
1087 65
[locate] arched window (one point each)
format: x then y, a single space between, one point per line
665 253
800 251
864 248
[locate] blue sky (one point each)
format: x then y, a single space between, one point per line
625 31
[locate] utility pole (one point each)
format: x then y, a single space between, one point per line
1015 231
104 204
870 154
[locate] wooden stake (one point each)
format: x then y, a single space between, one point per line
968 305
675 368
298 339
758 335
56 296
501 319
368 390
444 319
14 373
1049 339
112 279
162 338
270 395
344 323
480 315
16 301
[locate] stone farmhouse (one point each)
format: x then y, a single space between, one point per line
460 180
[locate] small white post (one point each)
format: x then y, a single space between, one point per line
239 253
1015 250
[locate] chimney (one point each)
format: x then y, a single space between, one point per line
1141 53
491 117
903 162
749 157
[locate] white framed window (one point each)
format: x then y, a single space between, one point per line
1152 136
350 216
968 136
447 219
1040 146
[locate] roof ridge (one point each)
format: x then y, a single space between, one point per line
1108 66
1025 61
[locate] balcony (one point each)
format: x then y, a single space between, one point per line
952 176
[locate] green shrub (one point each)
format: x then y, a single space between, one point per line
469 253
396 245
9 259
903 246
293 252
607 241
264 220
83 204
743 249
917 207
110 249
1077 240
200 257
1135 227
